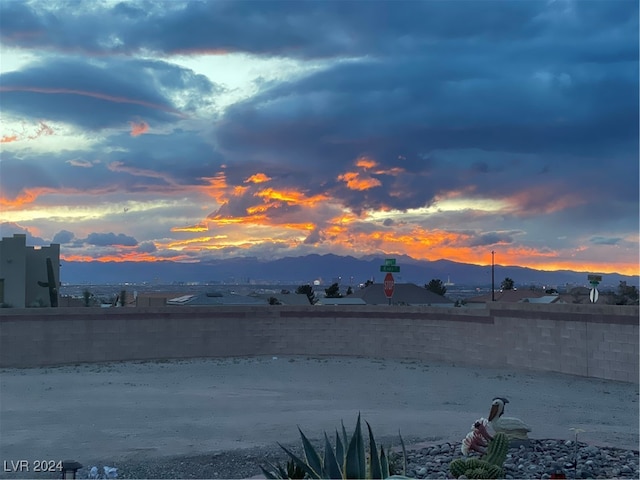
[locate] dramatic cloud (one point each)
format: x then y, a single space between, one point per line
63 237
262 128
9 229
103 239
138 128
103 93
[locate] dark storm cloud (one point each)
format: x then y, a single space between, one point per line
491 238
532 104
184 157
103 93
106 239
20 174
147 247
605 240
63 236
314 237
303 29
330 118
9 229
122 163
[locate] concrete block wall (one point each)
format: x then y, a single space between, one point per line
586 340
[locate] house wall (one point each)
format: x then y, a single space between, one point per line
13 269
587 340
21 268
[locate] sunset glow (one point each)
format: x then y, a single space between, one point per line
383 128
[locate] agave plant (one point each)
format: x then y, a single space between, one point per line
347 461
291 471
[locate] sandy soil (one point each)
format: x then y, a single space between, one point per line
159 409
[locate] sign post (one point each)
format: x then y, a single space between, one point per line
389 284
594 280
390 266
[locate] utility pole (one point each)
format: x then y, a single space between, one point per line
493 285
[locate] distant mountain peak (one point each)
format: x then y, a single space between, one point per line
348 270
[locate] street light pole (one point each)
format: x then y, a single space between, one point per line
493 286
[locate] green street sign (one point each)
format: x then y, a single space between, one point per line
389 268
594 280
390 261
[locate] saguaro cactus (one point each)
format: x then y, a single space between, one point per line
51 284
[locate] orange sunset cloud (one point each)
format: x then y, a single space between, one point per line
8 138
257 178
201 227
26 197
138 128
365 162
356 181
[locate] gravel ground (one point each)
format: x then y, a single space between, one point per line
537 460
219 419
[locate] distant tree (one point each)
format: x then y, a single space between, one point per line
274 301
333 291
627 294
367 283
86 296
123 298
308 291
436 286
349 291
507 284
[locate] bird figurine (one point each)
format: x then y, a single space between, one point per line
514 428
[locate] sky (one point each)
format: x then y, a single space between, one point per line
198 130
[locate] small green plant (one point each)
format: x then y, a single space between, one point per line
38 303
576 431
347 460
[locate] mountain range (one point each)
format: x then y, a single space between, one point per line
324 268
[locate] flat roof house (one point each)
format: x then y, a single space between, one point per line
403 294
24 275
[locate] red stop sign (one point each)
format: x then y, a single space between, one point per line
388 285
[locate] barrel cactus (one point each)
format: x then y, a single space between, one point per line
475 468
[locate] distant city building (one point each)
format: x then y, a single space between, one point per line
22 267
348 300
216 298
581 295
403 294
575 295
507 296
